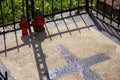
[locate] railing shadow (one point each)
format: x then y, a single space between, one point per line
37 48
40 59
109 9
108 30
66 25
49 35
76 29
36 42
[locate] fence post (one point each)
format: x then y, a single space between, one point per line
87 5
119 16
28 16
32 8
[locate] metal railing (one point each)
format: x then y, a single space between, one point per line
10 10
107 11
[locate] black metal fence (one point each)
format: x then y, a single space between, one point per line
107 11
10 11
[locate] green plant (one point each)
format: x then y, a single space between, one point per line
11 11
93 3
114 17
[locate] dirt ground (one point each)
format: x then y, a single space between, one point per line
82 43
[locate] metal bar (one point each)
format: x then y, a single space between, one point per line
28 16
14 24
23 6
104 9
104 15
78 6
87 5
10 23
67 10
119 16
1 14
50 21
32 8
48 15
61 8
52 8
3 29
70 6
43 7
112 12
91 2
97 7
4 32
